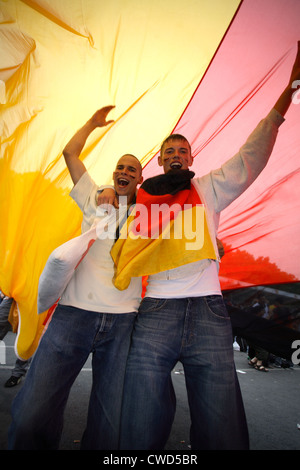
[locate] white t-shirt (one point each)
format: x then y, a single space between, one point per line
202 283
91 287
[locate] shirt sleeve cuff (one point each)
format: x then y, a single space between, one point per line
275 117
82 188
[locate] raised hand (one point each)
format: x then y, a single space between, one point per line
289 95
99 118
74 147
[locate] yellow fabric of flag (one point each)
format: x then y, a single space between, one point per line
179 243
60 61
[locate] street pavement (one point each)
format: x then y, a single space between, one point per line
272 404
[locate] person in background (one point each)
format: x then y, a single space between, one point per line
21 367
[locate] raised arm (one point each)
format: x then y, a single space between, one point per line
74 147
222 186
285 99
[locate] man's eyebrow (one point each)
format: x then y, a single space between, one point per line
172 148
131 168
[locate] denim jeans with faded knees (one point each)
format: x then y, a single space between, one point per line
37 411
196 331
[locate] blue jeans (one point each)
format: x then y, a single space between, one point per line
196 331
37 411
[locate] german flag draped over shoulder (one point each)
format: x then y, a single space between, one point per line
167 228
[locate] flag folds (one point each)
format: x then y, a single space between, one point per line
209 70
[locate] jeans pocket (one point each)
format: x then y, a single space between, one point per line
216 306
150 304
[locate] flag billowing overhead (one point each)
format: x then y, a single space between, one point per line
210 70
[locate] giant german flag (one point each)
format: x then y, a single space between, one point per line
167 229
209 69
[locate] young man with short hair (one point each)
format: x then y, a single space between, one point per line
183 316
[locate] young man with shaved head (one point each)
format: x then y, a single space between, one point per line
92 317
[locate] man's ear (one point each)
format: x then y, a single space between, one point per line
140 180
191 160
160 160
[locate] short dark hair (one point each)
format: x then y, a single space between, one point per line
174 137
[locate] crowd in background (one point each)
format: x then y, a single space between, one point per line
282 314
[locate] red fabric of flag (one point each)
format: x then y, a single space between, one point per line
261 229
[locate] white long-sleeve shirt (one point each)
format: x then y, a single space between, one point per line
217 190
91 287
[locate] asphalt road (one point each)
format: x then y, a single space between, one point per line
272 403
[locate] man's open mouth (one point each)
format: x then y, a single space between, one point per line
122 182
176 165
